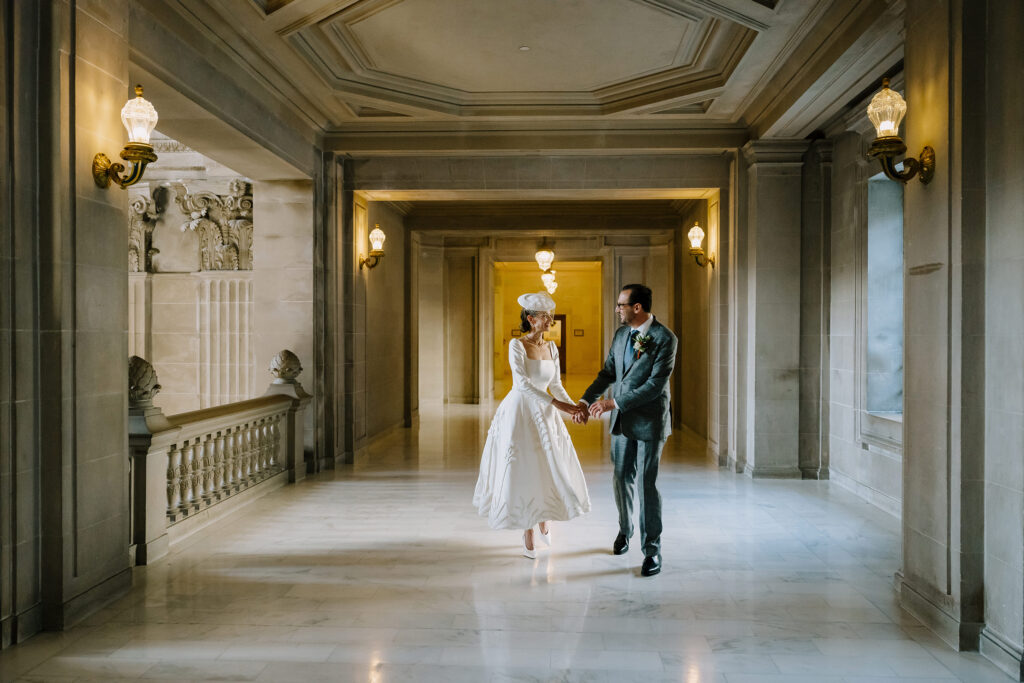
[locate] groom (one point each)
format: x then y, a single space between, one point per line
638 368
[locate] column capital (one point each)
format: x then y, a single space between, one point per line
775 151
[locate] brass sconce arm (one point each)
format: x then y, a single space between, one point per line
137 153
372 259
701 259
886 149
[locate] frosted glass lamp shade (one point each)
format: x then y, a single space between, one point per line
696 236
548 277
551 287
886 111
377 238
545 257
139 118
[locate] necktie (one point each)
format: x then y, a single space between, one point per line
630 351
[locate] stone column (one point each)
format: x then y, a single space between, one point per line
1001 259
773 307
349 315
815 299
286 367
943 415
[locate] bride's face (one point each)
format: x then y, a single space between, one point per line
541 322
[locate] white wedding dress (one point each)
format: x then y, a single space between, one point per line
529 471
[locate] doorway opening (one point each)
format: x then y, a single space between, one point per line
577 331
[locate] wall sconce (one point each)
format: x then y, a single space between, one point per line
696 236
139 117
377 238
545 256
886 111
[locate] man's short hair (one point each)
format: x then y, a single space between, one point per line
639 294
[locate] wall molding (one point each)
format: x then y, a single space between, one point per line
933 612
1002 653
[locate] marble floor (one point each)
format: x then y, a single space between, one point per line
382 572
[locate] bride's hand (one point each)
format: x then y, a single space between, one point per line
567 408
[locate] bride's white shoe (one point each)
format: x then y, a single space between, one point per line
528 552
546 537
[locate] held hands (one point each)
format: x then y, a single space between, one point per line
598 408
580 415
577 412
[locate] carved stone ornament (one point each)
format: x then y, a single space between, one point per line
142 380
285 366
224 226
142 220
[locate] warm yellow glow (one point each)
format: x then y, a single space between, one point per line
139 118
886 111
545 257
377 238
578 297
696 236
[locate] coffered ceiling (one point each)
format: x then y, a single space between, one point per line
406 65
523 57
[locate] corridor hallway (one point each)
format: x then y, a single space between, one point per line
383 572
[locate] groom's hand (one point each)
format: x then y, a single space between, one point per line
598 408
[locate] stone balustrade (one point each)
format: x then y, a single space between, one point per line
183 466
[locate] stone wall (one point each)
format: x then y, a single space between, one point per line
20 394
864 454
387 372
942 578
1002 332
63 435
282 282
691 373
64 305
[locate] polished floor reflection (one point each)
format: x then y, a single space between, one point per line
382 572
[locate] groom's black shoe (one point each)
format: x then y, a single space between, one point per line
621 545
652 565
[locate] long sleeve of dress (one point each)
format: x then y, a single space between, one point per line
556 388
520 378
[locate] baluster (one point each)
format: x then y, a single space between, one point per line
219 469
240 456
173 480
261 447
185 482
209 470
247 450
230 475
265 447
257 451
198 492
275 450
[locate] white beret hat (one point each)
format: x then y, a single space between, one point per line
537 301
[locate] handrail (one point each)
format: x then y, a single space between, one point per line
183 464
222 450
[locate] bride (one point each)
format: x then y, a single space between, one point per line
529 472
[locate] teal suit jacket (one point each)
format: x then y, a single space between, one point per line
642 392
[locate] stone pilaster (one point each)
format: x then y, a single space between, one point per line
772 323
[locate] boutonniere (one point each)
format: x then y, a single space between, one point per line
641 344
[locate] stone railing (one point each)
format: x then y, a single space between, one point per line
183 465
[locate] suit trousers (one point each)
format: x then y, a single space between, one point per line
630 457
